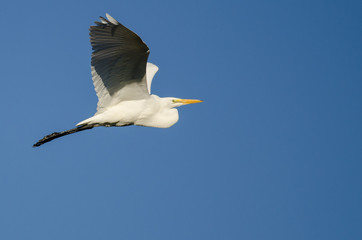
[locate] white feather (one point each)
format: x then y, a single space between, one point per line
151 70
111 19
103 21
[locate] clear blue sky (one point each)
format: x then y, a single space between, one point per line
274 152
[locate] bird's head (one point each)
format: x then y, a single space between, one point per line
177 102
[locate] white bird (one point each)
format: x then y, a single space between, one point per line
122 80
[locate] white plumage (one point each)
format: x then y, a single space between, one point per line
122 79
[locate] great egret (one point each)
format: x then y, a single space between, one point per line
122 80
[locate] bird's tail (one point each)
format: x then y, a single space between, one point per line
55 135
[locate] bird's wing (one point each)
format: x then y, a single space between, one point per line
151 70
118 63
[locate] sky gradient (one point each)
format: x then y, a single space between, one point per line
273 152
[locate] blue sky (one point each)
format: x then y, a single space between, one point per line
274 152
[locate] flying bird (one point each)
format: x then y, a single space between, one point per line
122 80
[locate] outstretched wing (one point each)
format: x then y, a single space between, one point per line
119 61
151 70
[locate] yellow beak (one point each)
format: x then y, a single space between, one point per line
187 101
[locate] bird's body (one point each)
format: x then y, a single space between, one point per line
152 111
122 79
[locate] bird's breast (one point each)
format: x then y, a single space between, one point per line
161 119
